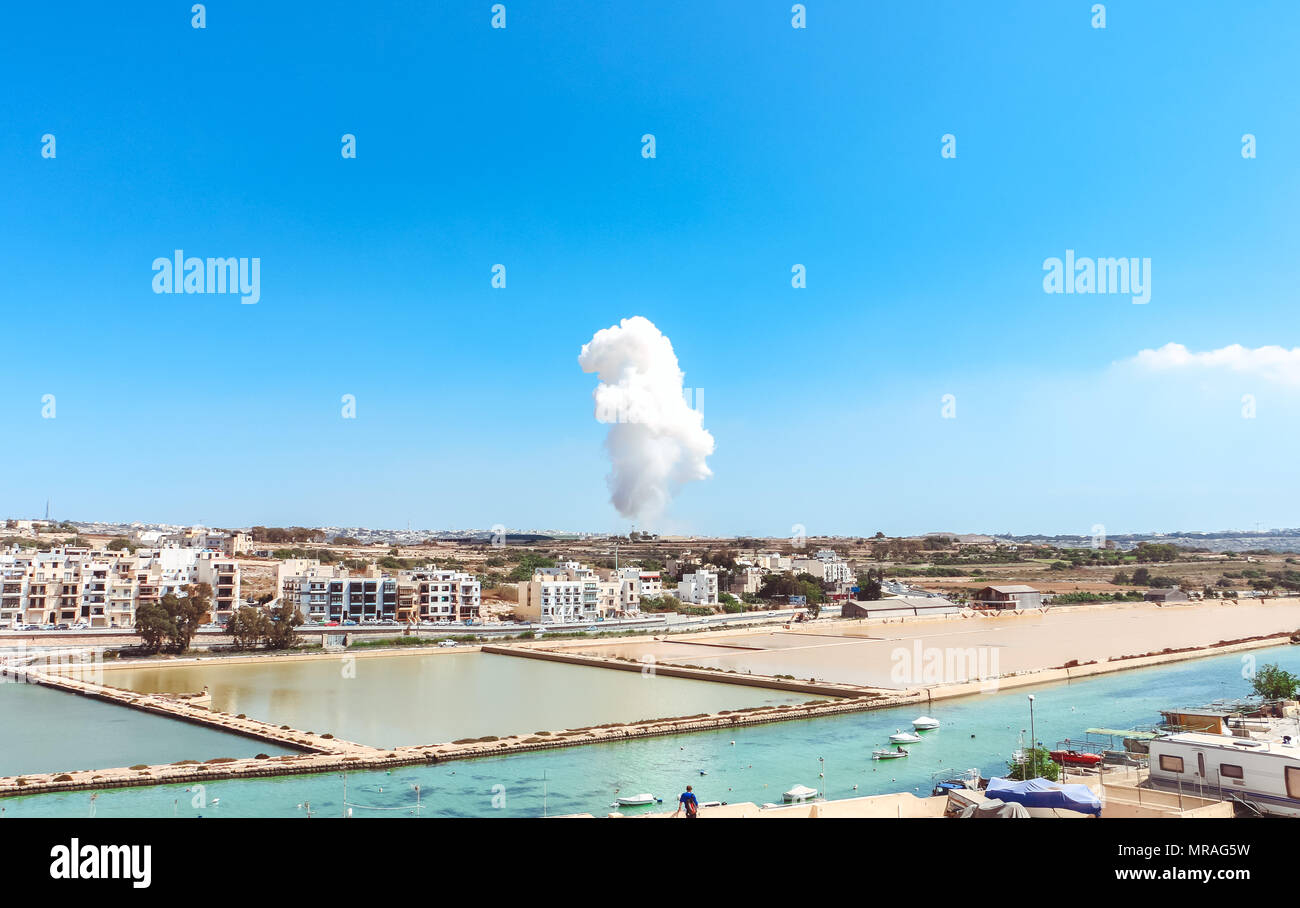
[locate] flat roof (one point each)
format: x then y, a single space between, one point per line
1230 742
1128 733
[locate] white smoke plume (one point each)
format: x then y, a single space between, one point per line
656 442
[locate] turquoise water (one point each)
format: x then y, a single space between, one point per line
44 730
978 731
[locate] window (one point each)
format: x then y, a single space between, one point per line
1230 771
1170 763
1293 781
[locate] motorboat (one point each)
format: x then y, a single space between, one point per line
925 723
1074 758
904 737
888 754
637 800
947 780
799 793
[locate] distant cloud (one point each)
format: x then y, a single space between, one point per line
1272 363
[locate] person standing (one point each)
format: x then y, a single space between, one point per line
688 803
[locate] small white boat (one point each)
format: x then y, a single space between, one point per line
888 754
904 737
799 793
638 800
925 722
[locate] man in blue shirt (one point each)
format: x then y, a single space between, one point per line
688 803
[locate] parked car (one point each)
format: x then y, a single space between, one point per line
81 626
447 643
349 623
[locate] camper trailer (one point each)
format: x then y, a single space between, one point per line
1264 775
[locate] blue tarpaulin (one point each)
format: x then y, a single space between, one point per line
1042 793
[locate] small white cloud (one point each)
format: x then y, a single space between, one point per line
1272 363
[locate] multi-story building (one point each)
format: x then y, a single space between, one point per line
573 593
746 579
359 599
826 566
304 583
443 595
699 588
197 537
548 599
567 594
649 583
105 588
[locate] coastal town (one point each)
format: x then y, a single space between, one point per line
822 628
648 411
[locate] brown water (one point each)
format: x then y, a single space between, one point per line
422 699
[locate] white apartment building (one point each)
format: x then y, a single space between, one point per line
649 583
747 579
573 593
329 595
443 595
304 584
773 561
699 588
104 588
826 566
552 599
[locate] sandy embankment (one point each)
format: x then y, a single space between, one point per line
886 653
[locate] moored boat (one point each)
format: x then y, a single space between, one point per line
638 800
925 723
799 793
1074 758
904 737
888 754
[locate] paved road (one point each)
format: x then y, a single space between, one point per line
113 637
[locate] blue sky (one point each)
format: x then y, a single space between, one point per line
775 146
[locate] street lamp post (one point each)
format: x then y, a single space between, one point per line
1033 740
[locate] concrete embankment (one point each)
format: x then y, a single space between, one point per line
327 754
347 756
668 670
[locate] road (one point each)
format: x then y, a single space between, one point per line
114 637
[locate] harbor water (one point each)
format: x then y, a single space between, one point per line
748 764
45 730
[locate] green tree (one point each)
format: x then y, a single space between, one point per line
280 633
1273 683
1039 765
248 626
529 563
185 614
869 588
154 625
